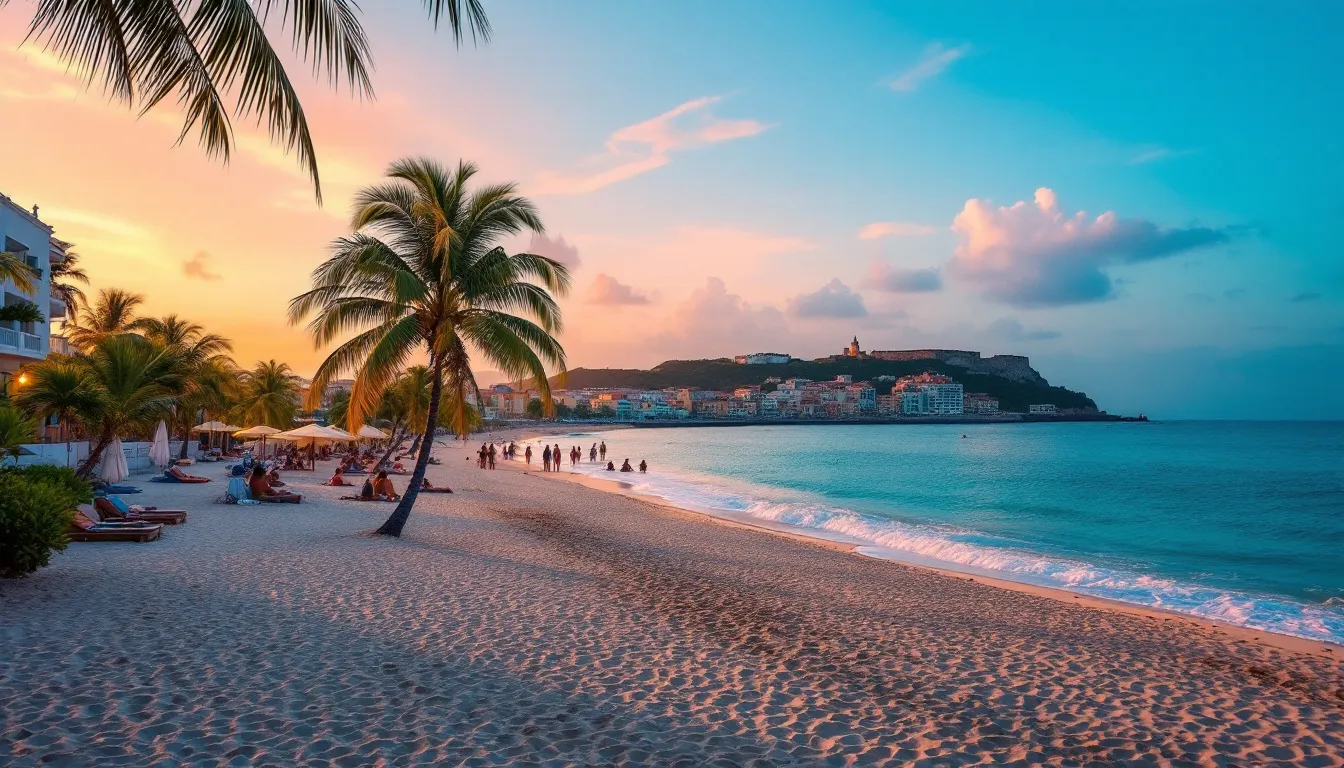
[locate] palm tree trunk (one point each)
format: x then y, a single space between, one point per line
95 455
394 524
394 442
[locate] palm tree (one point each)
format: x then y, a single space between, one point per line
424 270
135 383
15 430
64 274
113 313
212 379
61 387
270 395
21 311
340 404
13 267
205 52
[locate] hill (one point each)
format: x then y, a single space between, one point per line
724 374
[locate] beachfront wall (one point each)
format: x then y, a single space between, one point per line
137 454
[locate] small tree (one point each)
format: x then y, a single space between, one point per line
15 430
534 410
34 516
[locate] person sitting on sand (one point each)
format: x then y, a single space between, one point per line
338 477
643 466
425 485
273 477
262 491
611 467
382 487
625 466
397 468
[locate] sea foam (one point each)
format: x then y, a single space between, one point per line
968 551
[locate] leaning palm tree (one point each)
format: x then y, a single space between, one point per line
424 272
135 383
206 51
113 313
270 395
64 274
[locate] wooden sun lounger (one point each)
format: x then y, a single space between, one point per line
82 529
108 511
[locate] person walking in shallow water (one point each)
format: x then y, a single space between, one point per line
603 450
592 454
527 455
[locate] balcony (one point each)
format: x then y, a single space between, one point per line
18 342
56 307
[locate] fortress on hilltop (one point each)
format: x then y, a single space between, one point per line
1013 367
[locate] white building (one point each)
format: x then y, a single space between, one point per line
944 399
762 358
23 234
1046 409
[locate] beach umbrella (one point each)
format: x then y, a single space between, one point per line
114 468
260 431
369 432
309 436
158 451
213 428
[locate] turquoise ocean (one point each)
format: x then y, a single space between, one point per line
1237 521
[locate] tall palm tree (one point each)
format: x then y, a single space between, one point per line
64 274
113 313
270 395
211 377
135 383
206 51
59 386
424 271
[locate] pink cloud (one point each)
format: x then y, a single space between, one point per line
1033 254
648 145
195 267
609 291
880 229
556 248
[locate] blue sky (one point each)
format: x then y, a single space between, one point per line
741 175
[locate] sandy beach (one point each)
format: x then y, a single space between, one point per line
525 621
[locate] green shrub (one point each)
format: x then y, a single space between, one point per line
81 489
34 516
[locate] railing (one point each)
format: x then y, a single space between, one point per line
32 342
9 337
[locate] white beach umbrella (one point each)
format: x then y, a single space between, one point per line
260 431
369 432
158 451
309 436
114 468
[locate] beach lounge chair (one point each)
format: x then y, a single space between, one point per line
106 488
114 508
175 475
83 528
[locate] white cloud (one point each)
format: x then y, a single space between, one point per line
880 229
933 62
609 291
834 299
195 268
1153 153
648 145
1032 254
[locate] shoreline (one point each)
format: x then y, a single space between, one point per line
1292 643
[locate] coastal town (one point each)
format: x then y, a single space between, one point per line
926 396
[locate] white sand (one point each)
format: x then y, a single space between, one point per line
527 621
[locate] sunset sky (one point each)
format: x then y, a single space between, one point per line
1146 200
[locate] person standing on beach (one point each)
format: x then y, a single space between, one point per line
555 458
603 450
592 454
546 459
527 455
492 455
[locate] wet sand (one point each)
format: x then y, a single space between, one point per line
525 621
